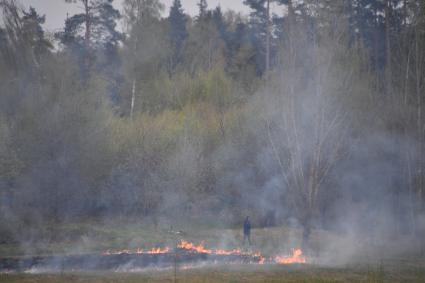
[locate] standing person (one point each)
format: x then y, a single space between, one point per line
306 238
247 231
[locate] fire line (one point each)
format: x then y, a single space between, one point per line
295 258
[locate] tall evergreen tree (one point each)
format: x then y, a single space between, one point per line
92 37
203 9
218 19
262 24
98 21
24 40
34 33
177 21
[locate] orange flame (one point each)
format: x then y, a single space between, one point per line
158 251
138 251
192 247
262 260
201 249
296 257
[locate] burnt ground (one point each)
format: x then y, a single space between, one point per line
395 263
238 273
114 262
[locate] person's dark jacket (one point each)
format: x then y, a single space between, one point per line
247 227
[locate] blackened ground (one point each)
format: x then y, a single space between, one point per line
92 262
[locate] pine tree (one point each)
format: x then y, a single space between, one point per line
99 22
261 21
203 9
177 21
24 41
92 35
34 33
218 19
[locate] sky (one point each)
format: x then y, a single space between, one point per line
56 10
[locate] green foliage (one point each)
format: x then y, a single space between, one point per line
34 33
98 20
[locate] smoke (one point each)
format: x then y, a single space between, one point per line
313 153
311 150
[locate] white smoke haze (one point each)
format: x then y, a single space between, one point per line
301 123
312 156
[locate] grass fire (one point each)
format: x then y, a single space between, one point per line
212 141
237 254
186 253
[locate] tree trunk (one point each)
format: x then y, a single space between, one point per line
135 47
291 24
87 36
419 113
268 27
388 67
88 23
133 98
376 49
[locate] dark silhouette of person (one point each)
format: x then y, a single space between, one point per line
306 238
247 231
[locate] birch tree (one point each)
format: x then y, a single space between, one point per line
141 21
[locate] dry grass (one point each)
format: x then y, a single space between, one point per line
100 237
236 274
96 238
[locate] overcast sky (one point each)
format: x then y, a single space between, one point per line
56 10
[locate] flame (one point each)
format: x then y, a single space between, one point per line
194 248
188 246
108 252
296 257
257 257
158 251
138 251
201 249
262 260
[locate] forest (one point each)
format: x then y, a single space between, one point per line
306 115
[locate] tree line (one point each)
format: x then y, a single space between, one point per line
296 112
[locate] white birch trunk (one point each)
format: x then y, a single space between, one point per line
133 98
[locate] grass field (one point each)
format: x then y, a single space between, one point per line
239 274
354 264
99 237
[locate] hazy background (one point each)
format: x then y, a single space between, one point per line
56 10
311 121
